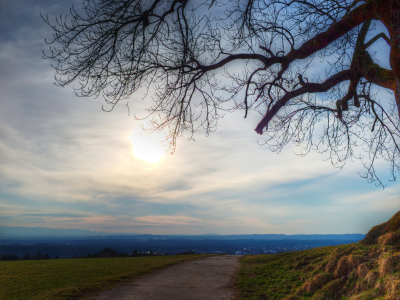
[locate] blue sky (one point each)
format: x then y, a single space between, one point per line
64 163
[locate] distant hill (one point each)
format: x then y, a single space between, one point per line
34 232
342 237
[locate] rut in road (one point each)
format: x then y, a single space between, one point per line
208 278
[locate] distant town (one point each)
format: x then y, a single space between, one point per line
17 246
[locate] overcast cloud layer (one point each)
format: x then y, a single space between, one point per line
64 163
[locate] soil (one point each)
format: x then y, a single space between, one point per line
208 278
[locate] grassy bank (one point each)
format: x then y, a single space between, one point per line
339 272
58 279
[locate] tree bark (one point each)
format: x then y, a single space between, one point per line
391 19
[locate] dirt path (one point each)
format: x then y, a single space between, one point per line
208 278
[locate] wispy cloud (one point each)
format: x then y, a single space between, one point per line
65 163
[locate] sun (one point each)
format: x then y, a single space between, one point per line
147 146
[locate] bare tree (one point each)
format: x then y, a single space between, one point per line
263 50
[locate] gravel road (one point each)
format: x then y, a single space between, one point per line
208 278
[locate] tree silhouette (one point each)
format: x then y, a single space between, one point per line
201 59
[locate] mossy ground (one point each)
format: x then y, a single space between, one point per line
353 271
58 279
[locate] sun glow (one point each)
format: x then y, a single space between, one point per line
147 147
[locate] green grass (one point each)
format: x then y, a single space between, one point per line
58 279
334 272
275 276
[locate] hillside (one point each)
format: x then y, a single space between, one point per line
369 269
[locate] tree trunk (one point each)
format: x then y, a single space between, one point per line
392 22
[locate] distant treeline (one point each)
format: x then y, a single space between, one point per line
26 257
106 252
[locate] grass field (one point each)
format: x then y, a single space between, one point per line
338 272
58 279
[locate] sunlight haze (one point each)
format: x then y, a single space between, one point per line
65 163
148 147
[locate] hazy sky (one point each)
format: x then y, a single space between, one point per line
64 163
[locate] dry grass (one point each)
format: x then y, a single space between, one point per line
365 271
341 272
291 297
372 277
393 287
391 238
343 267
387 263
318 281
384 234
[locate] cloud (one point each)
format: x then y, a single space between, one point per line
58 215
167 220
64 161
